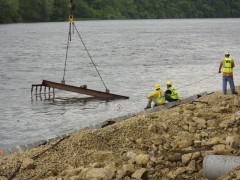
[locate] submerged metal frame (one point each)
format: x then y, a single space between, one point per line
80 90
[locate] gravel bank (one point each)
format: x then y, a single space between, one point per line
168 144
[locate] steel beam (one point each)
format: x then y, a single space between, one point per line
90 92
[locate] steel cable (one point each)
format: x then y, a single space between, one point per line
69 39
90 57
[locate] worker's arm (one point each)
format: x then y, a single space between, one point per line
155 94
220 67
168 92
233 65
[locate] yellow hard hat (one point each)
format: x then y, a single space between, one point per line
169 83
157 86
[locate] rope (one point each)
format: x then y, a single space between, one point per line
197 81
90 57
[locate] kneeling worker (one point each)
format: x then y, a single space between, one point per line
157 97
171 94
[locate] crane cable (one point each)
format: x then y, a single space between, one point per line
90 57
71 7
65 65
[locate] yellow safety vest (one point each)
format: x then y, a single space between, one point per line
227 65
161 97
174 93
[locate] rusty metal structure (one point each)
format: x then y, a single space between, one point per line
47 85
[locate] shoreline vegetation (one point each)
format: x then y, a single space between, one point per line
168 144
16 11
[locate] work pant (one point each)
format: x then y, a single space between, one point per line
228 79
150 100
169 99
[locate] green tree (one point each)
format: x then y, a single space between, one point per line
35 10
59 10
9 11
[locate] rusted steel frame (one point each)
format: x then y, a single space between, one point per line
97 94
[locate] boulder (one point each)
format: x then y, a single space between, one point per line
142 159
131 155
186 158
28 163
157 140
140 174
200 122
233 141
222 149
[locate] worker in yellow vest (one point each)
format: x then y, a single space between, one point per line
157 97
227 65
171 94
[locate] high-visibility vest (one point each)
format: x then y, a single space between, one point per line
161 97
174 93
227 65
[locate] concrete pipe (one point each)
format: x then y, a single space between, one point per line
215 166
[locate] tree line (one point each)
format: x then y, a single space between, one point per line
13 11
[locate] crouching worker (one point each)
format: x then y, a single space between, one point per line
171 94
157 97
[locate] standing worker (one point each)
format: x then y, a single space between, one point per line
157 97
227 65
171 94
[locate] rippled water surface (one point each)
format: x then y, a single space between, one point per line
131 56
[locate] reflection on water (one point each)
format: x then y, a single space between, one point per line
131 56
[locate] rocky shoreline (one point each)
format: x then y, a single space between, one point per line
167 144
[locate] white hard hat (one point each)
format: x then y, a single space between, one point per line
226 53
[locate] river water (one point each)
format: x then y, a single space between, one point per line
131 56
